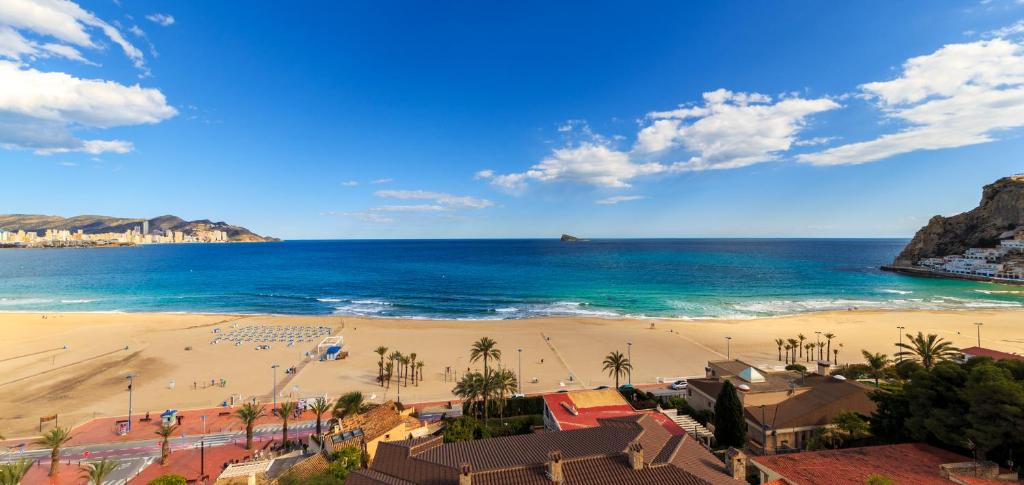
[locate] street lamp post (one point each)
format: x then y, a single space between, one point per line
519 383
274 367
900 346
728 347
629 357
131 380
979 324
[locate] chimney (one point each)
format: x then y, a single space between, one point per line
736 463
824 368
465 474
554 467
636 456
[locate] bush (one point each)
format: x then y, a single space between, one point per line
797 367
343 461
907 368
468 428
461 429
522 406
168 480
639 399
679 404
853 371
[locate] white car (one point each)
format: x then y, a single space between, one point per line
679 385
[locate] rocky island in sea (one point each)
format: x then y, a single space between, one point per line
27 230
985 243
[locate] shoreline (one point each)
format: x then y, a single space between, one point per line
930 273
179 366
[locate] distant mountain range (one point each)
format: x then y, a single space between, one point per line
91 224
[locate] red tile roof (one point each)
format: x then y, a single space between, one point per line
995 354
587 417
907 463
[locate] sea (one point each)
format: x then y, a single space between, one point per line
486 279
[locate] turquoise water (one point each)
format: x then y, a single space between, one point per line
485 279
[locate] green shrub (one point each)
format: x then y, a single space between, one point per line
463 428
797 367
168 480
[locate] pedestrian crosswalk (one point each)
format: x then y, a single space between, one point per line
274 428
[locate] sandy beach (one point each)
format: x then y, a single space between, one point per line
178 366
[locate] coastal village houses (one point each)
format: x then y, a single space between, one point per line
782 408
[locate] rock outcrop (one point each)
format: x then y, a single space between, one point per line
999 215
566 237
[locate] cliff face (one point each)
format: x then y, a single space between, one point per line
1001 211
91 224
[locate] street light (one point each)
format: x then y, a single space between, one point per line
629 357
900 346
274 367
728 348
131 380
519 383
979 324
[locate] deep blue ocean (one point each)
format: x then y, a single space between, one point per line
485 279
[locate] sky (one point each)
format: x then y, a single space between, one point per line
329 120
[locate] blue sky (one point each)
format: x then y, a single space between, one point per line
525 119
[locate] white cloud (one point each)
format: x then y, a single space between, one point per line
446 201
484 174
730 130
161 18
588 163
363 216
64 21
349 183
619 198
411 208
39 110
382 181
1007 31
959 95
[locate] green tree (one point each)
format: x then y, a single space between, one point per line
779 343
165 433
285 411
463 428
938 411
794 346
412 366
54 439
996 403
168 480
248 414
876 479
320 407
470 389
928 350
11 473
877 363
730 425
828 338
381 350
888 421
617 365
349 404
96 473
801 338
851 425
485 349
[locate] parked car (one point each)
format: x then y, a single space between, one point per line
679 385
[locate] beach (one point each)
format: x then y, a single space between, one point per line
176 365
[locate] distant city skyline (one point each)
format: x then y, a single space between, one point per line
405 120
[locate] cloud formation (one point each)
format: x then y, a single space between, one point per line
618 198
440 199
959 95
161 18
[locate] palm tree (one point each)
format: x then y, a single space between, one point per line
877 363
485 349
809 347
286 409
828 337
248 414
793 344
98 471
348 404
380 365
788 348
617 365
779 343
505 383
54 439
419 370
319 407
404 363
12 473
165 432
928 350
412 366
835 353
821 347
470 388
801 338
389 368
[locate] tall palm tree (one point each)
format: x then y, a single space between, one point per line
929 350
54 439
505 383
248 414
165 433
788 349
348 404
286 409
793 343
396 358
821 348
380 365
319 407
877 363
485 349
801 338
97 472
828 337
809 347
617 365
779 343
470 388
389 368
412 366
11 473
404 364
835 353
419 370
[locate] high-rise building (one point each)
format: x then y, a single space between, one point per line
145 227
